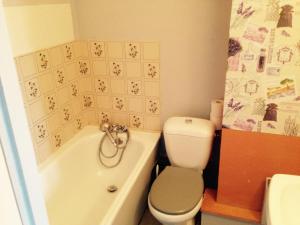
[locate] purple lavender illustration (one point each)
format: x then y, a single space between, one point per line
271 112
234 47
233 107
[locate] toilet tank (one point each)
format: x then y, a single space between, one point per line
188 141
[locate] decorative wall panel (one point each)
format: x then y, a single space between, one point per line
263 79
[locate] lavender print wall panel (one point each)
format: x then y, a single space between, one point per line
262 91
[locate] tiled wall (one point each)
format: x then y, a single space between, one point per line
88 82
263 83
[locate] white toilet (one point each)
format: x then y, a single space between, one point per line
176 194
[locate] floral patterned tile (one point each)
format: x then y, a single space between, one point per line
32 89
88 101
97 49
74 89
43 60
152 106
68 52
57 139
104 117
101 85
84 67
151 70
133 50
135 87
40 132
66 113
119 103
60 76
116 69
78 123
51 103
136 121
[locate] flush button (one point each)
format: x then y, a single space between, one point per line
188 121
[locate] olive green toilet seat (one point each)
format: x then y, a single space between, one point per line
176 190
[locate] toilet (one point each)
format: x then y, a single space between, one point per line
176 194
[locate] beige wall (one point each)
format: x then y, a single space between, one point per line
36 26
193 36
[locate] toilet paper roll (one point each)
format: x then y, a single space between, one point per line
216 109
217 121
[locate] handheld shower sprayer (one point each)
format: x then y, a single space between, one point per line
106 127
112 131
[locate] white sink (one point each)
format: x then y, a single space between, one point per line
284 200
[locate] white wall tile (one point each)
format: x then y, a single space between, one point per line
133 69
115 50
46 82
100 67
28 65
151 51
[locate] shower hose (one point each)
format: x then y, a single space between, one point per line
118 147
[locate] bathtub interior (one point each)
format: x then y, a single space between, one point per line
75 183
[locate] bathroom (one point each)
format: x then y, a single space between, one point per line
77 64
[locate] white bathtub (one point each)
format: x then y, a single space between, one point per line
75 183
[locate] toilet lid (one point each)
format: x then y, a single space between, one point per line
176 190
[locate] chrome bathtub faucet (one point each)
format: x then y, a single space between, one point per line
109 129
119 128
112 131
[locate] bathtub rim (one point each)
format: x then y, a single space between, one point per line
66 147
87 130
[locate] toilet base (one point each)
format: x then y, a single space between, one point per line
189 222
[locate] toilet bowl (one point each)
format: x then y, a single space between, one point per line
177 193
183 219
176 196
